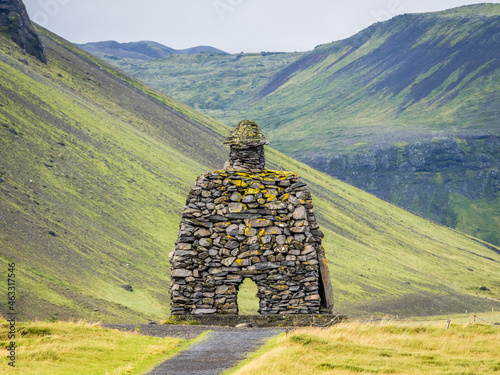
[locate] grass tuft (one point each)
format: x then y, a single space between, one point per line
174 320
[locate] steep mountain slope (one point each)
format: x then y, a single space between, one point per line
407 110
144 50
94 171
435 70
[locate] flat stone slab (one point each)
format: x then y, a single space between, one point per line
268 320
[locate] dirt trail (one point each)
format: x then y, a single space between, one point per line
220 350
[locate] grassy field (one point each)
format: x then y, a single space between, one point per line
416 346
385 347
82 348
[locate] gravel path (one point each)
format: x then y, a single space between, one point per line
220 350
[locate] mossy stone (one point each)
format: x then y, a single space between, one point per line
246 134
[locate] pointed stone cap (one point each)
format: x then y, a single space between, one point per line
246 134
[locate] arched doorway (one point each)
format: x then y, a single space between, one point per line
248 302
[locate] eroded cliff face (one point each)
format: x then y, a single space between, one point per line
15 23
422 175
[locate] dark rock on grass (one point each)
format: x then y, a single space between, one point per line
127 287
52 233
484 289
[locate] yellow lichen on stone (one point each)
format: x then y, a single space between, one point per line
252 191
280 287
270 197
239 262
239 183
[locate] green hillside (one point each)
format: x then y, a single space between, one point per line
424 73
406 109
94 171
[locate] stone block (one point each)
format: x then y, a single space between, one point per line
266 266
235 208
277 205
259 223
181 273
232 230
228 261
204 311
185 253
281 239
232 245
274 231
225 289
205 242
300 213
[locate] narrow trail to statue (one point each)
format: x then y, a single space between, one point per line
219 351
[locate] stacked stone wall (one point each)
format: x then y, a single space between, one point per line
236 225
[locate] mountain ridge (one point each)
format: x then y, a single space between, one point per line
142 50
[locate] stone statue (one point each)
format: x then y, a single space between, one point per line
246 221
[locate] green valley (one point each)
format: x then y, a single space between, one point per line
95 167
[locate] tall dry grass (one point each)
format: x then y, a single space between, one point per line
385 347
82 348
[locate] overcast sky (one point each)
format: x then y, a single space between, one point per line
231 25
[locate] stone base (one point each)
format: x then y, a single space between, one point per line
278 320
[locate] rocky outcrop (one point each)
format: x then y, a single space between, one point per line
249 222
421 175
14 21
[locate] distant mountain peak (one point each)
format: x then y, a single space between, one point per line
142 50
15 22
